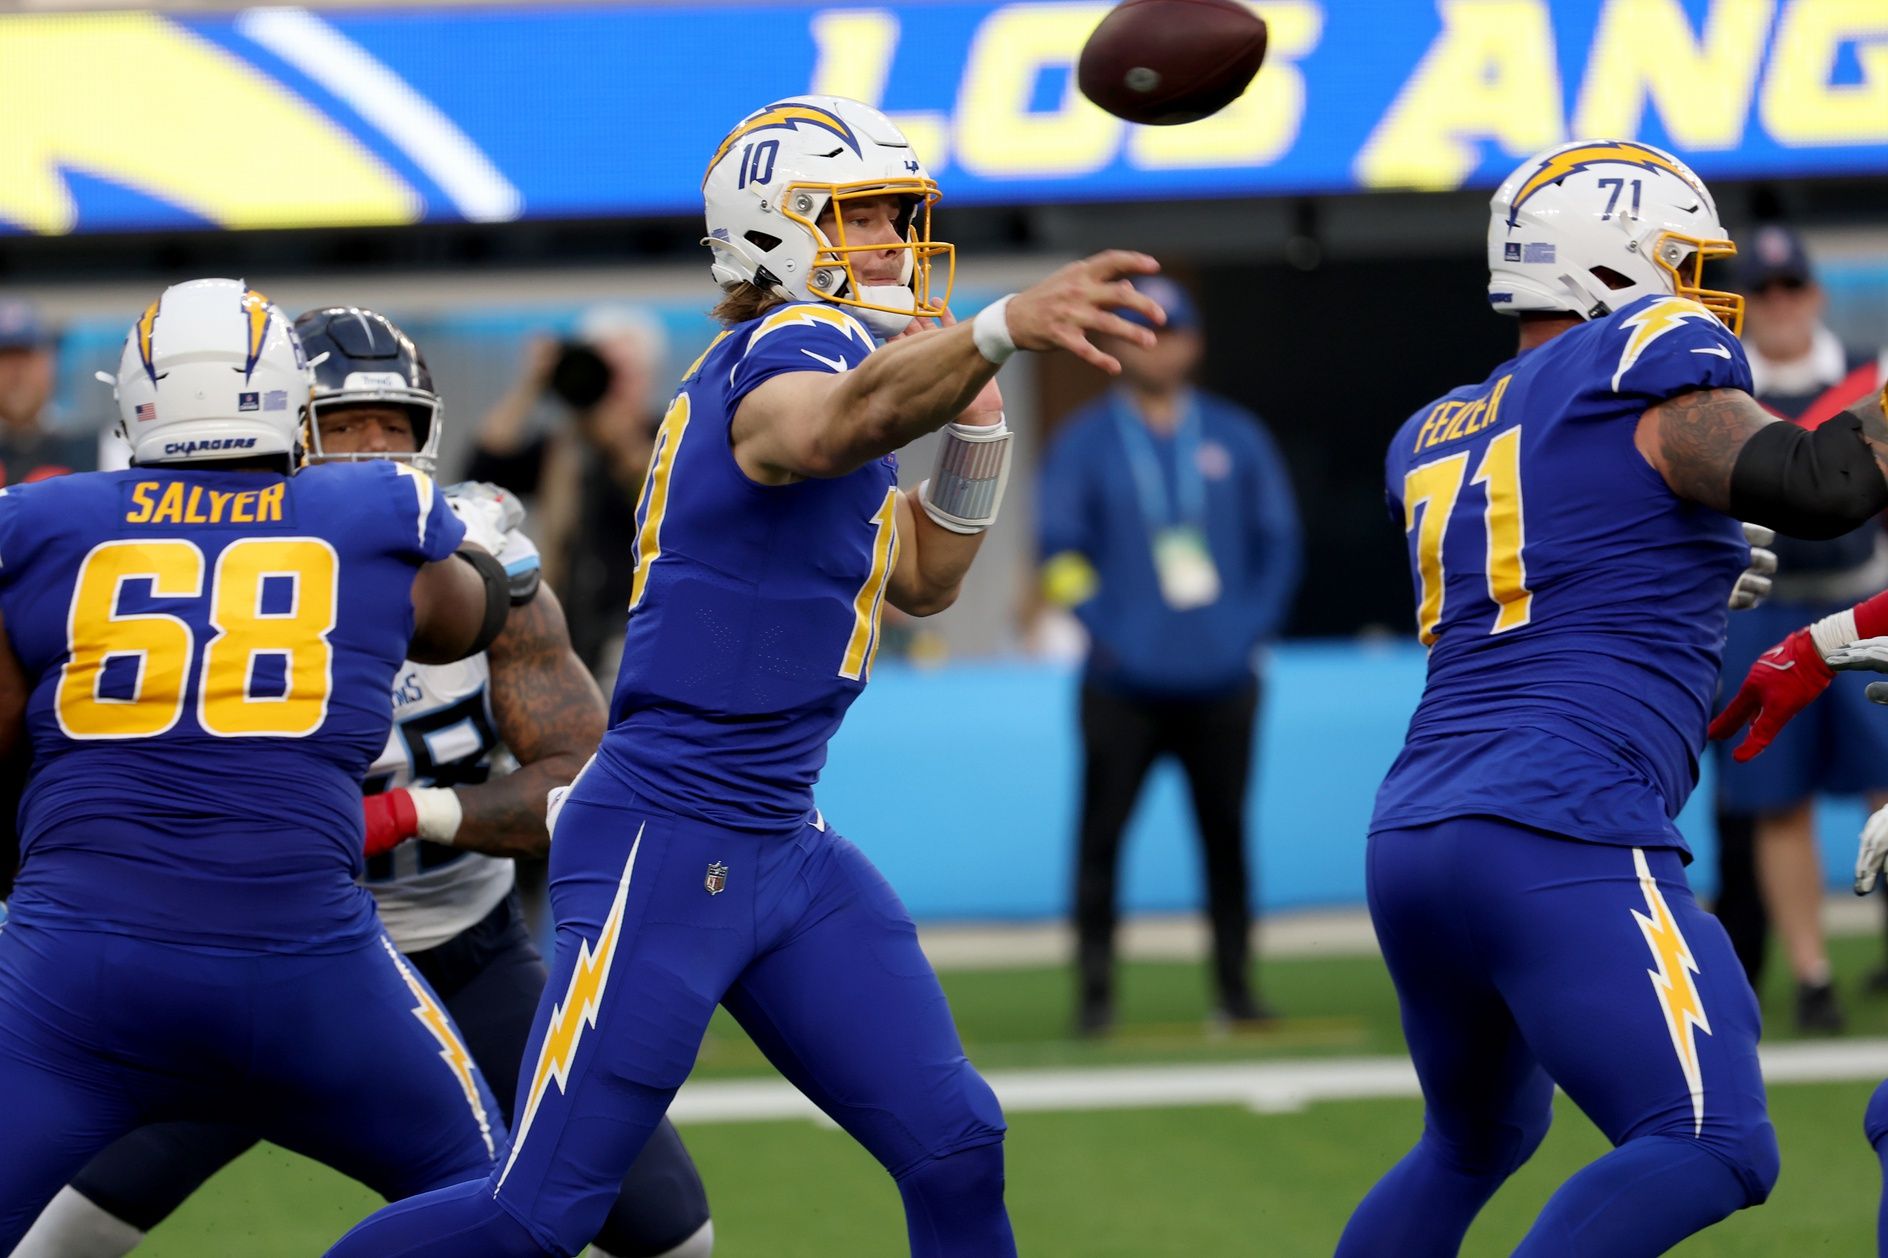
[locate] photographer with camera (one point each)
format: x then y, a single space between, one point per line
583 474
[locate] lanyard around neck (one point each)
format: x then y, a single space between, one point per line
1144 461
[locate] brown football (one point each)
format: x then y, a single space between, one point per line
1163 62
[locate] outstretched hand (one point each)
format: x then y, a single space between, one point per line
1082 297
1784 680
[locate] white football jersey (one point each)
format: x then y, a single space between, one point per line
443 734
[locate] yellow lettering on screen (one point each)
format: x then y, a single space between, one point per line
1261 125
144 494
150 92
1799 104
226 705
856 50
97 631
997 133
1490 75
1644 50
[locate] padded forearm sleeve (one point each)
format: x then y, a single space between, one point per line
497 595
1813 484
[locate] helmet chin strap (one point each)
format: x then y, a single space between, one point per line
884 323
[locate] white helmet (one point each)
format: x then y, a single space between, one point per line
1584 228
780 169
211 371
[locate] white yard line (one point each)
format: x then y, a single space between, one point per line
1175 937
1265 1087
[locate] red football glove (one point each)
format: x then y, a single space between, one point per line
391 820
1784 680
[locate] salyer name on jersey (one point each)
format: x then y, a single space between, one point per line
754 617
444 734
1573 605
210 654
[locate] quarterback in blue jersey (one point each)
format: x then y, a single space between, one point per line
1573 533
689 865
197 656
444 821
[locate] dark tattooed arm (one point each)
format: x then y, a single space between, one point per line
1693 441
549 712
1720 449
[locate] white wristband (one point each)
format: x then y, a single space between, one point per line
1831 633
991 331
438 811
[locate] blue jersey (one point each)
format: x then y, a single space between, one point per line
754 615
210 654
1574 606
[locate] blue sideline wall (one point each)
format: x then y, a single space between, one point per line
961 783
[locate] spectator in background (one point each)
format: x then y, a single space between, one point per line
1769 867
584 476
30 449
1168 525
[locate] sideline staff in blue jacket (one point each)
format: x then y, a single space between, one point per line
1168 525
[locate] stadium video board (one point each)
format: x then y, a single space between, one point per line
289 117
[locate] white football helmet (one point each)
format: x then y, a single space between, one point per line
780 169
1584 228
212 370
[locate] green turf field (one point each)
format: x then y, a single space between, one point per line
1178 1182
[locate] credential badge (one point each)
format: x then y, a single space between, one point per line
716 880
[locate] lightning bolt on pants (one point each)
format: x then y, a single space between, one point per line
1524 959
807 947
323 1054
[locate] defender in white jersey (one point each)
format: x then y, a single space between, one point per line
458 792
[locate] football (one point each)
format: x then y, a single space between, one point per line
1164 62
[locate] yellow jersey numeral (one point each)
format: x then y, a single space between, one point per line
869 604
1434 487
244 632
160 645
655 494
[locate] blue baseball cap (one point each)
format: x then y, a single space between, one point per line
1775 254
21 326
1182 315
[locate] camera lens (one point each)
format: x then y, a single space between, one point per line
580 377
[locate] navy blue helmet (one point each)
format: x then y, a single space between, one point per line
362 357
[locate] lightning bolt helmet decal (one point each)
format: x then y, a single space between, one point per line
789 115
1557 166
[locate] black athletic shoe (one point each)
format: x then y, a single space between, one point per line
1094 1020
1817 1009
1244 1011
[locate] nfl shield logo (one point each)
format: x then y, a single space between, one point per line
716 880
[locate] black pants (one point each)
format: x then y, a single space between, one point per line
1739 905
1122 737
